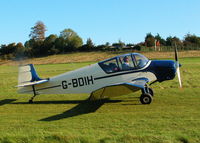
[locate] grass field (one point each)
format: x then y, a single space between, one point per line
174 115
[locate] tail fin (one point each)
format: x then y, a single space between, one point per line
28 76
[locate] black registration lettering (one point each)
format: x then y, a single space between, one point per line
64 84
81 81
76 82
90 80
85 80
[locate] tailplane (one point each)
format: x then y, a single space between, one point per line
28 76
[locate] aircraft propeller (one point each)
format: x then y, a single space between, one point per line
178 67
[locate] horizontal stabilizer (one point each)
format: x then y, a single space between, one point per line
33 83
28 76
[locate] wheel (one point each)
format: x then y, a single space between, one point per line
146 98
30 101
151 91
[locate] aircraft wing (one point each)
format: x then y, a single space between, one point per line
119 89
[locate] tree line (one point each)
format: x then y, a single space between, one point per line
69 41
190 41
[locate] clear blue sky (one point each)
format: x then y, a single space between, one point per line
101 20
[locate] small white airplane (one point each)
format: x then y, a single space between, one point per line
116 76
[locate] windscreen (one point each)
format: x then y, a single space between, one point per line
140 60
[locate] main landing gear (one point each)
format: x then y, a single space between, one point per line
147 95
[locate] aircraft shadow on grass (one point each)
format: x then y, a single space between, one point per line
6 101
52 102
84 107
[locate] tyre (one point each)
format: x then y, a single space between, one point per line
146 98
151 91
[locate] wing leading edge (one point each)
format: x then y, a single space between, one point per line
119 89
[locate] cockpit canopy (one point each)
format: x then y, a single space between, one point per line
132 61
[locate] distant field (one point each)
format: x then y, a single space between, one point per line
174 115
96 56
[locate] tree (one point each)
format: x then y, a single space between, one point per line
149 40
29 45
192 40
160 39
8 49
103 47
89 46
35 44
72 41
107 44
67 33
118 45
60 45
3 50
20 50
34 48
12 50
49 45
38 31
171 41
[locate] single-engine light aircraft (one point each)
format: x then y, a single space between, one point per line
116 76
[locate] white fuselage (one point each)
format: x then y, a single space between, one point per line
86 80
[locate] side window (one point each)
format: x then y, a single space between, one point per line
110 66
126 62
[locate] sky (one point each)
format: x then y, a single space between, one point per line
101 20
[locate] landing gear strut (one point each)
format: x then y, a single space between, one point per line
147 95
34 94
150 91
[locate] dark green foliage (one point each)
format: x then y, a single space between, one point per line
60 44
191 41
149 40
8 49
160 39
49 45
89 46
34 48
103 48
119 45
12 51
20 51
70 41
171 41
137 47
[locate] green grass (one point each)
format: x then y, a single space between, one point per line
174 115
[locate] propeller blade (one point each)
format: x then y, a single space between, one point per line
176 54
179 76
178 66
